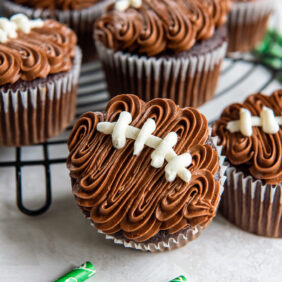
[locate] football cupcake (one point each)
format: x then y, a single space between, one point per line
148 175
163 48
247 23
39 70
78 15
251 136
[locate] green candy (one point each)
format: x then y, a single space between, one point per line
275 35
179 279
273 62
263 46
80 274
275 50
269 52
280 77
271 45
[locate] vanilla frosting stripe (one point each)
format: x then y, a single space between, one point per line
123 5
120 130
9 28
267 120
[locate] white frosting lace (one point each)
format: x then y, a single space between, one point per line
8 28
163 148
267 120
123 5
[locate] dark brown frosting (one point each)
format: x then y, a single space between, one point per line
161 25
260 154
45 50
244 1
57 4
122 192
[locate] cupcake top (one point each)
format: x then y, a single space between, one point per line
251 136
31 49
57 4
151 27
140 168
244 0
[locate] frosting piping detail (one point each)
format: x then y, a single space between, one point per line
24 24
154 27
8 28
123 194
120 130
267 120
123 5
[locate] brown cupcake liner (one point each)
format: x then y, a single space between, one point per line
173 241
189 81
81 21
247 24
31 114
251 205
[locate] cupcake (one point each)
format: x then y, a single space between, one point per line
251 136
247 23
78 15
147 175
163 48
39 70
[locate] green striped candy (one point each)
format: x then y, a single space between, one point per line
179 279
80 274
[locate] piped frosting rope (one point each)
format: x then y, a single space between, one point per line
123 5
8 28
267 120
163 148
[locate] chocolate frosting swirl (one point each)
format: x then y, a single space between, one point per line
161 25
122 192
260 154
57 4
45 50
244 0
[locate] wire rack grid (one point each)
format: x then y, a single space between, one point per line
92 96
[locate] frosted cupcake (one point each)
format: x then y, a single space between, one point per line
148 175
251 136
78 15
163 48
39 70
247 23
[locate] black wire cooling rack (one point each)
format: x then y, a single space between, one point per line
92 95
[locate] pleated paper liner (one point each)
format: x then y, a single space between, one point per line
247 24
81 21
251 205
30 115
189 81
172 241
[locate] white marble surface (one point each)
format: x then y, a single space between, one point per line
45 247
